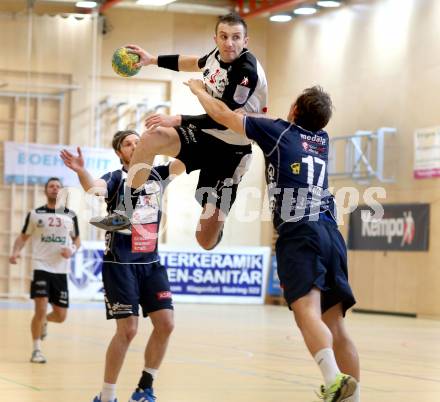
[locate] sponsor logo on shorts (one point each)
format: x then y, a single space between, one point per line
40 283
119 309
188 135
164 295
62 301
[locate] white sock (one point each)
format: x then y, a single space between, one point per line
108 393
152 371
37 344
326 361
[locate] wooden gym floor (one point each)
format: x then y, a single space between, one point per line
218 353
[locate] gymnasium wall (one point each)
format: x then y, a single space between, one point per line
52 54
380 61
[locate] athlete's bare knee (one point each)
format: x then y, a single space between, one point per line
127 333
164 328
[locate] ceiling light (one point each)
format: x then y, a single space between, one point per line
157 3
280 18
329 3
86 4
305 10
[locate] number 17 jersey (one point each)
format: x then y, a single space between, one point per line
296 169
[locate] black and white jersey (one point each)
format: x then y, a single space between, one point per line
50 230
240 84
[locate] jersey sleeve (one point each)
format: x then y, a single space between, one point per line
29 224
242 83
202 61
263 131
113 180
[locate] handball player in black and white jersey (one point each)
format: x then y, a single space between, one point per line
132 273
230 73
55 238
311 252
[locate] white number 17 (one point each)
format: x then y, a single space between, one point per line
311 160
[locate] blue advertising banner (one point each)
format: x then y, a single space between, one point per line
229 275
273 286
85 279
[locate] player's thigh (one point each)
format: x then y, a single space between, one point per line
154 288
161 141
59 292
121 289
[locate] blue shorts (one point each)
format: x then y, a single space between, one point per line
127 286
313 254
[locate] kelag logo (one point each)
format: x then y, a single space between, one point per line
403 227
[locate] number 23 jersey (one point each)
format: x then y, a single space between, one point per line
50 230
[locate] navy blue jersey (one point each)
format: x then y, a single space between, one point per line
296 169
148 211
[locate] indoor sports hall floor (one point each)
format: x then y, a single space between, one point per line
219 353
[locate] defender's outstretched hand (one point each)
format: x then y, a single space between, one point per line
74 162
162 120
195 85
145 58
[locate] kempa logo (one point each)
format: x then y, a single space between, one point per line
394 227
314 138
53 239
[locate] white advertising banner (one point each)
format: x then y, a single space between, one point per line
225 275
427 153
35 163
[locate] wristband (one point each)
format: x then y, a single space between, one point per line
171 62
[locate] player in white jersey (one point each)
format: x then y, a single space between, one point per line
231 73
55 238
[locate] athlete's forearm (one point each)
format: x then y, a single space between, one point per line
220 112
189 63
88 183
19 243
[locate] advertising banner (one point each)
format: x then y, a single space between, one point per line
273 286
228 275
85 279
35 163
427 153
403 227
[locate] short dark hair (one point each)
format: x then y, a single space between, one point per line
52 179
120 136
313 109
231 19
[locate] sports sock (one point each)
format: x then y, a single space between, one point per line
326 361
108 393
37 344
147 378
